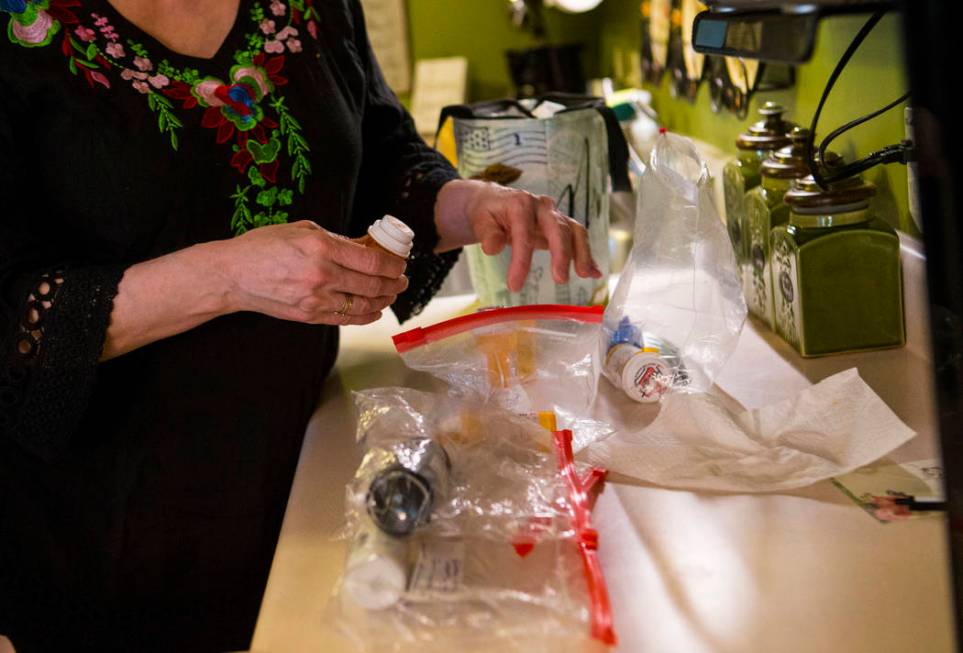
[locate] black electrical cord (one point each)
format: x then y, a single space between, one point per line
833 135
850 51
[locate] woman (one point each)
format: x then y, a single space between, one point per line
176 174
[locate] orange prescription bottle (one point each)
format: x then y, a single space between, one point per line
390 235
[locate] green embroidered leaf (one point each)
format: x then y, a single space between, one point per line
72 66
285 197
91 51
75 44
152 101
261 219
292 123
174 141
255 176
267 198
174 120
265 153
87 64
280 217
161 121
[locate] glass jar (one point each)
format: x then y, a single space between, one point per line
836 271
742 174
765 209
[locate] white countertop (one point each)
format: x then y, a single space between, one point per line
687 572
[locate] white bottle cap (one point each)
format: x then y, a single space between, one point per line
392 234
645 377
375 576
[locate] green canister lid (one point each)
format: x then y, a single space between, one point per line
850 194
770 133
789 162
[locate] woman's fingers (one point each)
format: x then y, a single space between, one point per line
585 265
352 282
558 233
371 261
522 234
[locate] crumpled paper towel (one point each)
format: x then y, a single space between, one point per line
829 429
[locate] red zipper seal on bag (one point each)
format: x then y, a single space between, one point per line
419 336
588 537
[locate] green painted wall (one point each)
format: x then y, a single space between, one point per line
874 77
481 31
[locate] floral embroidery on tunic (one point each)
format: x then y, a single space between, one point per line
243 107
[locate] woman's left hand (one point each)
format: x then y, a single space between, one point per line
469 211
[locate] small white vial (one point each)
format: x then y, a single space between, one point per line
376 573
643 374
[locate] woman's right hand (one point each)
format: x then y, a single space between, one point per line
304 273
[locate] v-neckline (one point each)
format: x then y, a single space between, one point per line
158 50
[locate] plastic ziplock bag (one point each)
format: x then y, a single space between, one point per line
491 472
506 558
679 294
525 359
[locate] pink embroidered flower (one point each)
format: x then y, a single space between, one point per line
99 20
127 74
286 33
100 78
159 81
142 87
109 33
313 29
294 45
252 74
36 32
84 33
274 47
116 50
267 26
277 7
205 91
143 63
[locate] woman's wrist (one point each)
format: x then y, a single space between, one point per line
212 265
451 213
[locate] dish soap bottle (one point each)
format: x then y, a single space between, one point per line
742 173
836 271
765 210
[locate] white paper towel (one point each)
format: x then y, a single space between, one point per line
829 429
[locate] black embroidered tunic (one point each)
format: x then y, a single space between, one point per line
141 498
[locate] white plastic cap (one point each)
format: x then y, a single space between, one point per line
375 576
392 234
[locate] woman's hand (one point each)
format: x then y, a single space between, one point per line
470 211
304 273
292 271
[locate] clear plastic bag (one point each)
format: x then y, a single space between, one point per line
525 359
678 309
497 475
506 558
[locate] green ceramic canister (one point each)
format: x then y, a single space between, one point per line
742 174
836 271
765 209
